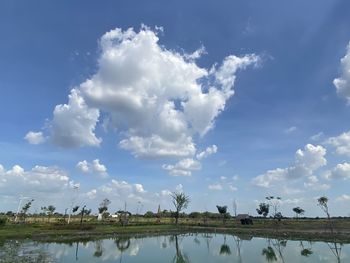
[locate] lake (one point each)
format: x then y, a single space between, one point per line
197 247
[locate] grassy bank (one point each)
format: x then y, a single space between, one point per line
287 229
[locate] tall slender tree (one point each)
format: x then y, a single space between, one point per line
25 209
180 201
222 210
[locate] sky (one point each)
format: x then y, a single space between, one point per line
226 101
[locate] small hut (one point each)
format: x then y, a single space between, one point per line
245 219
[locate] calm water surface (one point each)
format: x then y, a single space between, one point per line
176 248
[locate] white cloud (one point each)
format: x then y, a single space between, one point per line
290 129
183 167
156 98
318 136
314 184
342 83
341 143
94 167
179 188
215 187
343 198
209 151
232 188
271 176
165 192
155 146
35 137
73 124
92 194
293 201
98 167
306 162
83 166
121 192
139 188
340 171
312 157
235 177
40 179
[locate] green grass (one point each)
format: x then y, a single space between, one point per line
292 229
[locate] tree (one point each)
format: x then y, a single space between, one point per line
104 206
298 211
49 211
87 212
274 202
180 201
75 209
25 209
222 210
263 209
82 214
323 204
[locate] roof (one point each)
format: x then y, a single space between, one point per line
242 216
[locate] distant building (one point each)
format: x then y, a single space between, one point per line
245 219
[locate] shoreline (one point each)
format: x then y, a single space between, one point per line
74 233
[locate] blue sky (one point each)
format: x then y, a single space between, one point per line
285 57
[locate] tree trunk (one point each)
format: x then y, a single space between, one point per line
82 215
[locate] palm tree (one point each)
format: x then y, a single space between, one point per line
180 201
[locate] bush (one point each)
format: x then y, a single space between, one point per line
3 221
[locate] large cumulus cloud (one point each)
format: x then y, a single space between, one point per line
157 98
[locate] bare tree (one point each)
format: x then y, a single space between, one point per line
275 202
234 206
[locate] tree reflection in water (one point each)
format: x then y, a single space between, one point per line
76 251
98 248
274 244
305 252
208 238
196 240
336 250
269 254
239 242
123 243
225 249
179 256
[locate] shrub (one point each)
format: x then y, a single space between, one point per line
3 221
